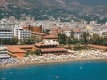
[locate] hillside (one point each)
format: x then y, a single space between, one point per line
86 6
46 9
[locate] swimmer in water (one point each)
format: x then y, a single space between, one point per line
56 76
11 72
80 67
3 78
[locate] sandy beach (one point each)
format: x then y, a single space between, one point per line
51 61
51 58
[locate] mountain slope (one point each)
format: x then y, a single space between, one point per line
64 10
86 6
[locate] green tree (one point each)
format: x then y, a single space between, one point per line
43 31
14 41
96 39
85 37
38 52
27 41
47 31
30 53
62 38
72 34
7 41
77 46
104 41
75 41
69 40
33 39
22 42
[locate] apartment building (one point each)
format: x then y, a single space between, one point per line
6 33
23 34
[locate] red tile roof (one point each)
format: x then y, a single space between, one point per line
40 44
50 36
77 30
65 29
15 49
97 46
52 49
19 55
25 46
37 33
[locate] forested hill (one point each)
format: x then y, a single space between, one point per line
52 7
87 6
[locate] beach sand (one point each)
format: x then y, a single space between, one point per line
52 61
51 58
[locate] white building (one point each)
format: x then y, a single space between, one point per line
78 34
6 33
4 52
93 22
67 33
20 33
50 40
16 30
23 34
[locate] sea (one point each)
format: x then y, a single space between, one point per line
77 70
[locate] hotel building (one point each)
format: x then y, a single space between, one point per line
24 34
21 33
6 33
3 52
50 45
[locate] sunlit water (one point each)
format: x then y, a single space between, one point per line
82 70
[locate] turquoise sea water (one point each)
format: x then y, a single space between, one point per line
82 70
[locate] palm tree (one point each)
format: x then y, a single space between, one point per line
72 34
62 38
33 39
96 39
85 37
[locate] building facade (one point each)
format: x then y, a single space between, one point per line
50 45
33 28
21 33
24 34
50 39
4 52
5 33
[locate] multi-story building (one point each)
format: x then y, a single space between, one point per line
67 31
4 52
61 30
50 45
16 30
78 33
6 33
23 34
50 39
34 28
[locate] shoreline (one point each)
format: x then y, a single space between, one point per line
51 61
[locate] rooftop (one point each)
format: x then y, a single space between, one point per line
51 36
40 44
15 49
77 30
39 33
52 49
97 46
